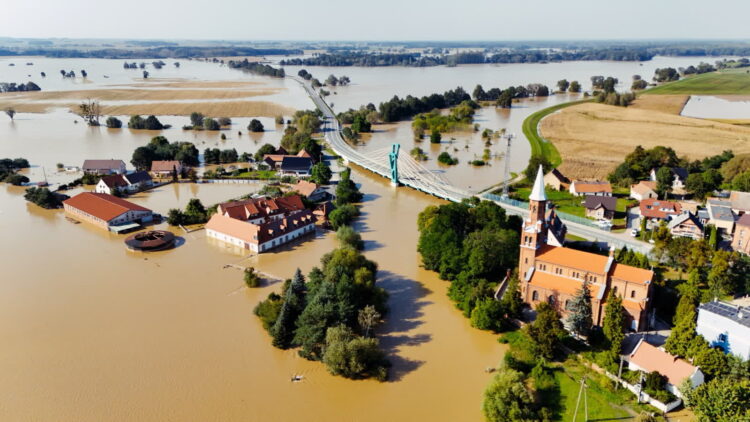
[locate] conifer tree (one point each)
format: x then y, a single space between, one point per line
680 339
283 330
511 301
613 324
579 318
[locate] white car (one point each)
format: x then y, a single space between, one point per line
634 232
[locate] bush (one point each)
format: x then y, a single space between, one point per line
268 310
211 124
256 126
42 197
435 137
252 279
343 215
16 179
445 158
347 236
488 314
352 356
113 122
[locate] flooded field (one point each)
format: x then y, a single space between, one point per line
718 107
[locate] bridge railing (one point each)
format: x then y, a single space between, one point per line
509 201
563 215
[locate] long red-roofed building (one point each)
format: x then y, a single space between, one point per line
555 274
105 210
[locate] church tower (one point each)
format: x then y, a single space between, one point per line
534 232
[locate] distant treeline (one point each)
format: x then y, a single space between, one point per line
162 52
257 68
400 109
373 59
21 87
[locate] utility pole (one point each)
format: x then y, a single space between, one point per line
619 374
578 402
506 171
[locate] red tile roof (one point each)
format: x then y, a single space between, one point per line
114 181
572 258
305 188
644 187
165 165
632 274
592 187
655 208
261 207
102 205
651 358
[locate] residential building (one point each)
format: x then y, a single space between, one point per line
555 180
643 190
555 274
741 236
103 167
648 358
686 225
725 326
580 188
296 166
740 202
261 224
312 191
721 215
679 177
600 207
274 160
129 183
654 209
166 168
107 211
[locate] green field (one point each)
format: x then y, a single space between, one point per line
539 146
729 82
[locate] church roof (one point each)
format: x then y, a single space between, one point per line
537 193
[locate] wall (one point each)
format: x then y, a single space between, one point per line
711 325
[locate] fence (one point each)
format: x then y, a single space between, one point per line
563 216
508 201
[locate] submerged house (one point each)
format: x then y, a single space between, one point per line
103 167
132 182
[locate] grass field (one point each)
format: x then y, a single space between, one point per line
728 82
540 146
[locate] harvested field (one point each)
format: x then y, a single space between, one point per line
594 138
186 83
671 104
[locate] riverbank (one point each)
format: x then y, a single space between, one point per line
539 146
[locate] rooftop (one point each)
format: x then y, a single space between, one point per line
111 164
537 192
293 163
137 177
592 187
740 200
720 210
573 258
593 202
744 220
654 208
632 274
738 314
652 358
305 188
168 165
682 218
644 187
101 205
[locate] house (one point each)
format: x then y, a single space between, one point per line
132 182
686 225
741 236
555 274
261 224
103 167
600 207
580 188
275 160
555 180
296 166
725 326
648 358
721 215
679 177
310 190
107 211
643 190
166 168
740 202
654 209
322 211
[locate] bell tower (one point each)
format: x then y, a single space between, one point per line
534 232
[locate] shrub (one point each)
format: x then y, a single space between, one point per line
446 159
343 215
252 279
255 126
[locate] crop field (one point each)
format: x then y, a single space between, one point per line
729 82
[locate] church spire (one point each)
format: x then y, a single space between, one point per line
538 194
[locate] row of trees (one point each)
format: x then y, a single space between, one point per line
195 213
397 109
460 117
18 87
149 123
200 122
257 68
504 98
563 85
159 148
217 156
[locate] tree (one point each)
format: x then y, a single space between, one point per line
613 325
562 85
721 400
533 167
321 173
196 119
252 279
445 158
346 191
741 182
142 158
113 122
508 399
435 137
90 111
488 314
546 331
664 181
10 112
264 150
348 237
719 275
353 357
343 215
256 126
42 197
512 301
211 124
679 340
367 318
579 317
574 87
291 307
145 74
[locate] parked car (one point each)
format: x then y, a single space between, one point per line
634 232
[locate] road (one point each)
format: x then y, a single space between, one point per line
415 176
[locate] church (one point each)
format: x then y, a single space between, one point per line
554 274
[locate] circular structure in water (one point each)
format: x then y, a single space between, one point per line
152 240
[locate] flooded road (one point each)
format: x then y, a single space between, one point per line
717 107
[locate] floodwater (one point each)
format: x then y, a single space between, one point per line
717 107
90 331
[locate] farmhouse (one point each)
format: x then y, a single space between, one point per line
132 182
580 188
555 274
600 207
686 225
261 224
102 167
643 190
165 168
555 180
725 326
107 211
648 358
741 237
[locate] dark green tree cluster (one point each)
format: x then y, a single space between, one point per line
616 98
447 159
43 197
613 327
330 316
304 74
113 122
347 191
18 87
298 135
343 215
546 332
159 148
459 118
149 123
666 74
607 85
504 98
255 126
257 68
195 213
217 156
263 151
365 117
8 168
639 163
634 259
472 246
509 398
397 109
721 400
321 173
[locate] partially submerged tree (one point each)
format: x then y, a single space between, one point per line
10 112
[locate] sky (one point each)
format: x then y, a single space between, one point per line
389 20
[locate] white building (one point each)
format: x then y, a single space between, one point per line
260 237
725 326
107 211
132 182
